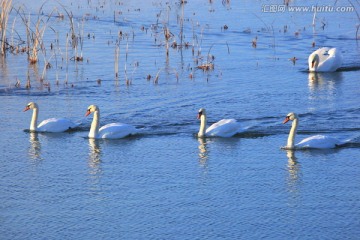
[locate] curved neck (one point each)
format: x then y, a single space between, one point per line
94 129
33 123
316 60
292 133
202 126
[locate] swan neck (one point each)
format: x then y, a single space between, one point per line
202 126
316 61
94 129
33 123
292 133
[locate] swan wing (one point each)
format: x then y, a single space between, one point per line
323 53
336 59
116 130
224 128
319 141
56 125
330 61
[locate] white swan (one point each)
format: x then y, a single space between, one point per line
317 141
48 125
111 130
325 60
223 128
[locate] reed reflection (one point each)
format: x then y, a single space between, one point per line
35 146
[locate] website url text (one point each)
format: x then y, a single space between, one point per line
279 8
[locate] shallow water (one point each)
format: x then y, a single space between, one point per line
164 183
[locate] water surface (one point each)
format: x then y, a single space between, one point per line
165 183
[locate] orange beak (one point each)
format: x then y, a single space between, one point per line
199 116
26 108
286 120
87 113
312 64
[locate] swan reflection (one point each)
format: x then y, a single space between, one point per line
294 176
324 81
203 151
94 157
35 146
293 166
95 169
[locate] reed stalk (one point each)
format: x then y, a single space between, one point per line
156 79
28 83
35 37
116 60
56 60
125 72
117 54
126 58
67 58
182 23
80 40
76 39
6 6
12 36
357 37
47 65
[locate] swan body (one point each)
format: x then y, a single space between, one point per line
111 130
222 128
317 141
325 60
48 125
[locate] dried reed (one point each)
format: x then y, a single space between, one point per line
6 6
117 54
76 40
35 37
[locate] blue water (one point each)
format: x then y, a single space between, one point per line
165 183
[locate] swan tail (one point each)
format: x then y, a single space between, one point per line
349 141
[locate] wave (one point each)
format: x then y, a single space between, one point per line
349 69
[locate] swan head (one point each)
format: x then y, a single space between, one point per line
290 117
30 105
91 109
201 113
314 61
